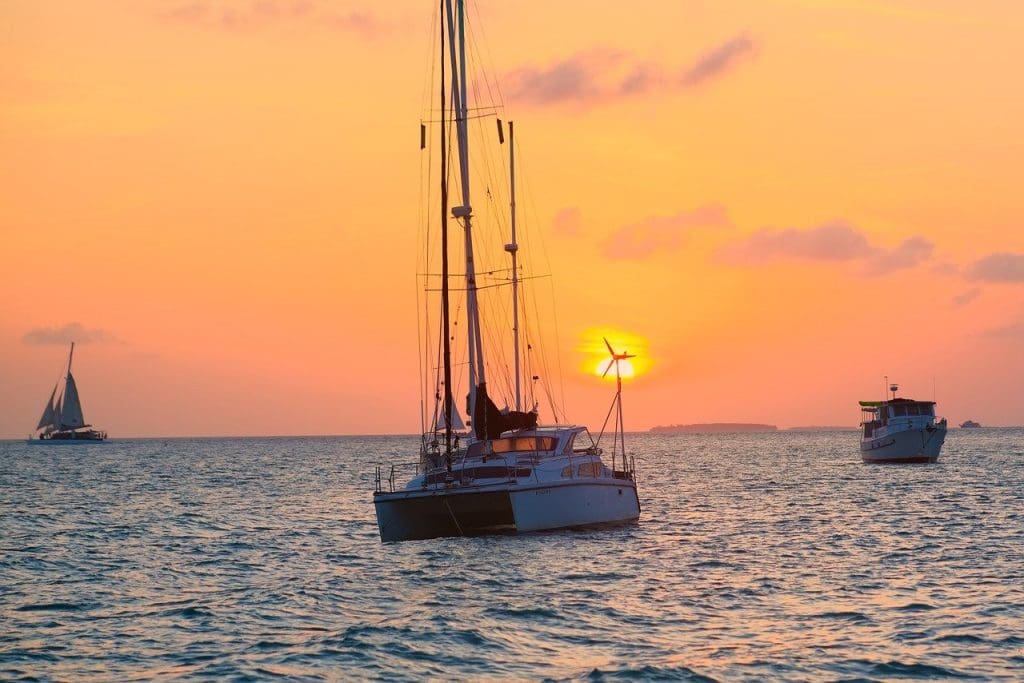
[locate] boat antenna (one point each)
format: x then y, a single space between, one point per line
445 304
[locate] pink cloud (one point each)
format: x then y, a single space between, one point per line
65 334
595 76
1002 267
967 297
662 233
908 254
718 61
568 222
251 15
837 241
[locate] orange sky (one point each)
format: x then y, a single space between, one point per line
776 202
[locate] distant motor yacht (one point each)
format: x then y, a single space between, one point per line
969 424
900 430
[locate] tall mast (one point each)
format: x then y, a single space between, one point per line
71 356
513 249
445 306
465 211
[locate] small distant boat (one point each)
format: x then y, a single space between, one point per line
62 421
900 430
969 424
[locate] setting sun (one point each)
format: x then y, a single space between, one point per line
597 358
626 368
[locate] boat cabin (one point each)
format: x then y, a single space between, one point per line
904 413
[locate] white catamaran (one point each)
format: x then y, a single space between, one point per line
508 474
62 421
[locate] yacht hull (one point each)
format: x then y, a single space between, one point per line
504 508
908 446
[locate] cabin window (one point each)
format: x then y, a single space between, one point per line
899 411
584 443
567 471
514 444
927 409
589 469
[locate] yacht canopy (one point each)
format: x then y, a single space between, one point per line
877 404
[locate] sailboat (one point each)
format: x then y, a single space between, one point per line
62 420
499 471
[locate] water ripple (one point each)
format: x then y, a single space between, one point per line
758 557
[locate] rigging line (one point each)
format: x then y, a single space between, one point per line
469 117
486 66
506 283
420 359
483 108
457 275
528 192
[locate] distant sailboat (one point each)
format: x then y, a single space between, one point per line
62 420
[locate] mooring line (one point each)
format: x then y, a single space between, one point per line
450 512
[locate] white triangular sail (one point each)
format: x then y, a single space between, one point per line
71 412
457 424
49 419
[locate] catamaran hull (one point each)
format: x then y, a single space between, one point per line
63 442
909 446
412 515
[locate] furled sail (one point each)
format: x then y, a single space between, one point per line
489 421
49 418
71 412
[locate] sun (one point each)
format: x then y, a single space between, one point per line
597 359
626 369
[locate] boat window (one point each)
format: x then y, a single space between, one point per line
927 409
899 411
567 471
583 443
515 444
589 469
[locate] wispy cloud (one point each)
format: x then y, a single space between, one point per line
580 79
909 253
662 233
568 222
837 241
1013 331
252 15
72 332
718 61
1001 267
595 76
967 297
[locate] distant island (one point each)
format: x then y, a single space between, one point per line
714 428
825 428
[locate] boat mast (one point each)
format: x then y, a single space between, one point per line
513 248
70 357
465 211
445 305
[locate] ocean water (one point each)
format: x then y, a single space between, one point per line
757 556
